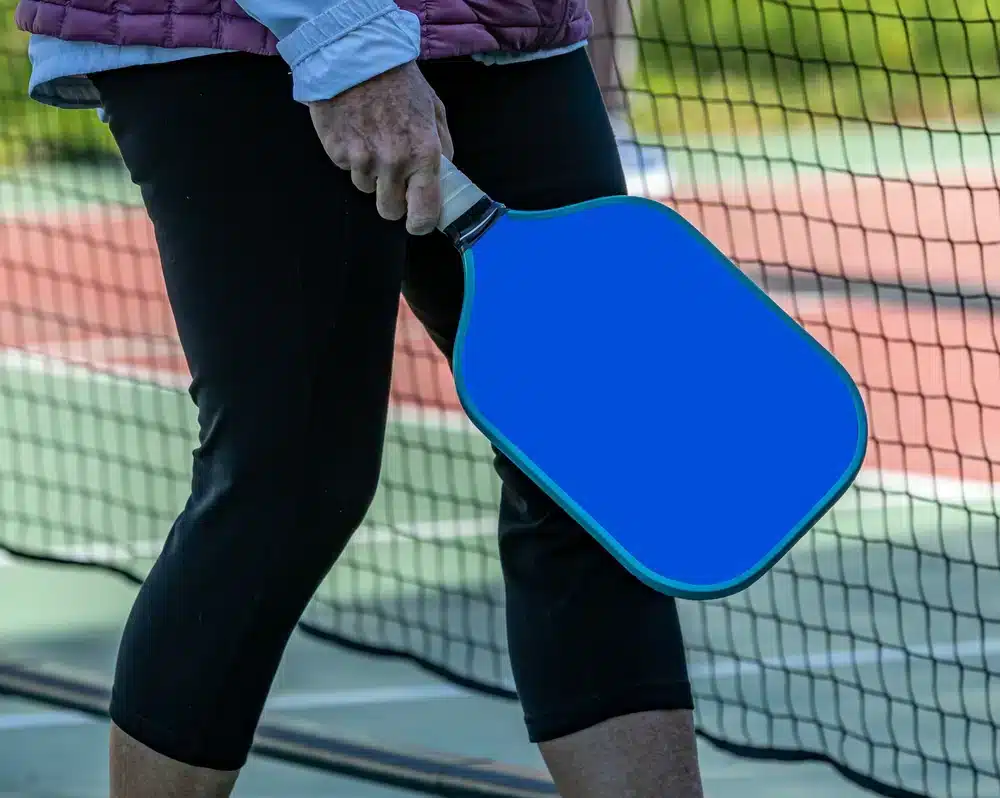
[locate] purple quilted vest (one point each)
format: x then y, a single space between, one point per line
448 27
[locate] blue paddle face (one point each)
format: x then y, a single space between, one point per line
653 391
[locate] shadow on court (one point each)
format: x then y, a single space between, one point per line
59 754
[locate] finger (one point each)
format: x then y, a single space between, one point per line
362 164
364 181
390 191
338 154
423 200
444 134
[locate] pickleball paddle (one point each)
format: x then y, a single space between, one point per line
648 386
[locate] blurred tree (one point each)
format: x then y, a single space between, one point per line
30 130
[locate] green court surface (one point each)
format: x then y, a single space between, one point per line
84 457
95 468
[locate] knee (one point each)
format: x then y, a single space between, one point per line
306 495
249 438
346 493
267 465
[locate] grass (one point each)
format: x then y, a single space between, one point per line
30 131
36 133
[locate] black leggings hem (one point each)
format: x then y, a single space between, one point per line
669 696
179 747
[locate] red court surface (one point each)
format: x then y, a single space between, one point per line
864 228
89 290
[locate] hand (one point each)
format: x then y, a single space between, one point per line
390 133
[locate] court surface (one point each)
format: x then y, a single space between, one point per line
73 617
96 432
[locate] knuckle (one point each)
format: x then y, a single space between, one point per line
394 158
361 160
427 151
337 153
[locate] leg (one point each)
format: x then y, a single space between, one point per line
598 657
284 284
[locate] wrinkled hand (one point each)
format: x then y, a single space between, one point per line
390 133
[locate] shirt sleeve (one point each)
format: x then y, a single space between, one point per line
331 47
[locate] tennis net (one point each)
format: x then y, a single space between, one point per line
841 151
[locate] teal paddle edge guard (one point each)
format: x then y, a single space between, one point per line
573 507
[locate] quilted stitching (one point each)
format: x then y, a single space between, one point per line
448 27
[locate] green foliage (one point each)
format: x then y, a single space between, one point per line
706 65
30 130
725 65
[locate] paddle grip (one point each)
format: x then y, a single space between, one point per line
458 194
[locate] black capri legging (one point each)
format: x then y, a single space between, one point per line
285 284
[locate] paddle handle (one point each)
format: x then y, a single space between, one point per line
458 194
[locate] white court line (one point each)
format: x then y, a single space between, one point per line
897 490
38 361
658 184
724 668
828 661
958 493
905 489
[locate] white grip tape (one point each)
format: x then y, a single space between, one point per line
458 193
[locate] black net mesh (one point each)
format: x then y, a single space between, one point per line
841 151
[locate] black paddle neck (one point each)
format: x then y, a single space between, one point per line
468 228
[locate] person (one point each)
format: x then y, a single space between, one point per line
288 155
